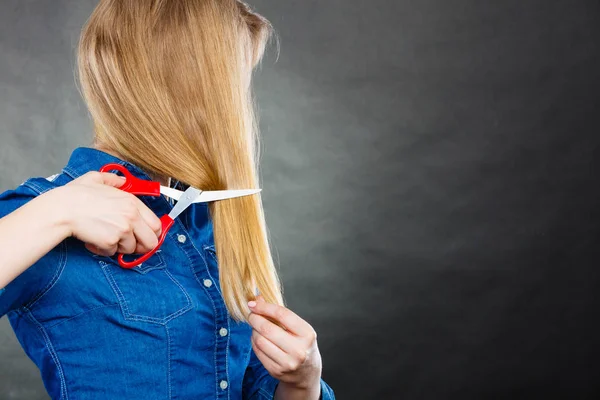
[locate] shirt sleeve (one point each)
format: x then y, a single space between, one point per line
259 385
29 285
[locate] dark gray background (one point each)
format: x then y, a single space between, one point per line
430 182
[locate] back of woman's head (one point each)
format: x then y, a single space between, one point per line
167 83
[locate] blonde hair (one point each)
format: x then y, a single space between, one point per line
167 83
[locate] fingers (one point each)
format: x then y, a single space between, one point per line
147 228
146 238
112 220
283 315
150 219
268 349
282 339
102 178
287 357
111 179
127 243
138 236
265 360
276 361
107 251
94 249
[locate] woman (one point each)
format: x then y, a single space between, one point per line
167 83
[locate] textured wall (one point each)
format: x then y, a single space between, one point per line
430 181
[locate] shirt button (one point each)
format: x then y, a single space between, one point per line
181 238
223 332
223 385
207 283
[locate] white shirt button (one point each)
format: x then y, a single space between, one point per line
207 283
181 238
223 385
223 332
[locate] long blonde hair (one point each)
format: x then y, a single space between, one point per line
167 83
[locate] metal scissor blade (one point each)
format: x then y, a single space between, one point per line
215 195
170 192
186 199
209 195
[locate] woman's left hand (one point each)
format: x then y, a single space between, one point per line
290 355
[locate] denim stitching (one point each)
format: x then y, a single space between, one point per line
191 266
216 341
61 267
267 395
189 299
218 287
123 302
40 188
128 315
160 264
63 385
217 282
32 186
37 188
80 314
214 257
109 277
168 361
213 253
71 172
227 357
209 296
206 247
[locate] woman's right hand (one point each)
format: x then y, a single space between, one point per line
108 220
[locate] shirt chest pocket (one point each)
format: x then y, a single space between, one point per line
148 292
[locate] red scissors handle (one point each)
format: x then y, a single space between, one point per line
140 187
132 184
167 222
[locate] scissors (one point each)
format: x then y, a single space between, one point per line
140 187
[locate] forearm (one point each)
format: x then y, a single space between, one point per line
285 391
29 233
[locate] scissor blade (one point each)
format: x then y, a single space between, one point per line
170 192
209 195
186 199
215 195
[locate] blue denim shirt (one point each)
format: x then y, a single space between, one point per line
158 331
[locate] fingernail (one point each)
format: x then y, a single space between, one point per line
251 304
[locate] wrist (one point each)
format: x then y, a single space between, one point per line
61 211
301 391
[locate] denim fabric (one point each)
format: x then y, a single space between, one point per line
158 331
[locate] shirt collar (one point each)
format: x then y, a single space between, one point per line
86 159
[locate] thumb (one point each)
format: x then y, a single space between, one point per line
112 179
